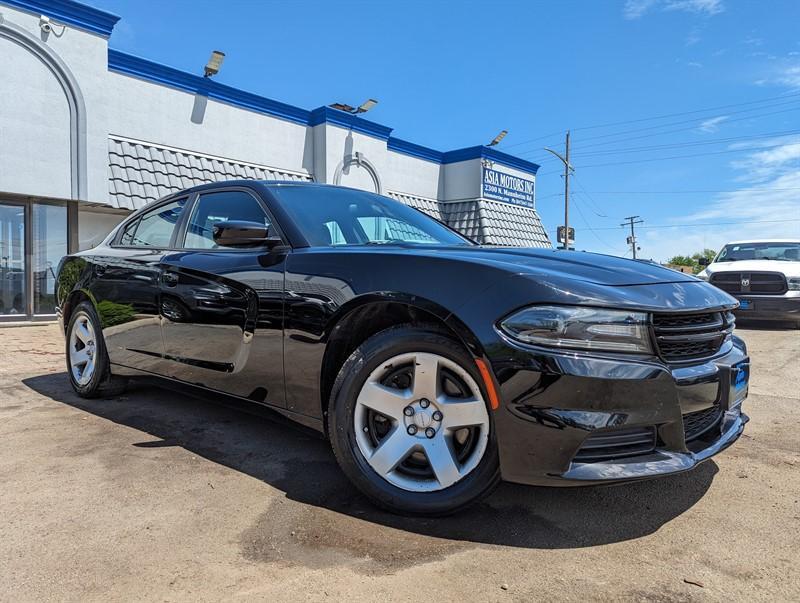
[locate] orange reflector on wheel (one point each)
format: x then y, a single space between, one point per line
494 401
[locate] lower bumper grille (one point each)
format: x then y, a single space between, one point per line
698 423
683 337
619 443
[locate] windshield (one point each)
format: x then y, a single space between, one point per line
329 216
785 252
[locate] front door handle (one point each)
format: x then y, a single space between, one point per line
169 279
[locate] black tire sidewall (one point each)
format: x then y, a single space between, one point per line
369 356
101 372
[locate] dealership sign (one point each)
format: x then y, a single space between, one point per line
507 188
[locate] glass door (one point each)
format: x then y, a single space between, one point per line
49 242
13 281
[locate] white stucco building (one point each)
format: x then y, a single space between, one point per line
88 133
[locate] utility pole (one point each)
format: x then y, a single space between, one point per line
630 221
567 169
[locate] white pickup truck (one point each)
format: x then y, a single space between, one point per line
763 275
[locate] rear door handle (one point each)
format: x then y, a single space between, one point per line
169 279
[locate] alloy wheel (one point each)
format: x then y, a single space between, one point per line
82 349
421 422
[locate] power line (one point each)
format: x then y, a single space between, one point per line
592 230
657 117
696 119
696 143
591 199
750 149
796 188
658 226
543 159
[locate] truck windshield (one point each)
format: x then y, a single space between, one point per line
782 251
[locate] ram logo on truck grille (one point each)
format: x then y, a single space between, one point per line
745 282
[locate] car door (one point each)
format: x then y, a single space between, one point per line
222 308
126 286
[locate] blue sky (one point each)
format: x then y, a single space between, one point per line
726 74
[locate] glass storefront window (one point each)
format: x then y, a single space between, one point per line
12 260
49 240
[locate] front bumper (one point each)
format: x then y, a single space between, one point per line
553 403
769 307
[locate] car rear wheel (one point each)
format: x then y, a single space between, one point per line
87 360
410 425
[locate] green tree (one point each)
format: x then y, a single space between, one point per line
693 260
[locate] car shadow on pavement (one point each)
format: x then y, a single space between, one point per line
302 466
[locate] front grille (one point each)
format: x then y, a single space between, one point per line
757 283
682 337
617 443
697 423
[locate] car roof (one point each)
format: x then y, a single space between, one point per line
267 184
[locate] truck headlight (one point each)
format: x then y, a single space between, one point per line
580 328
793 283
702 275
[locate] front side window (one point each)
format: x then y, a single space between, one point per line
222 206
154 228
330 216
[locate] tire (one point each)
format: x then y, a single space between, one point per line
456 427
90 372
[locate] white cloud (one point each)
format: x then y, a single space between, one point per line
790 76
708 7
712 124
694 37
781 73
694 64
636 9
766 206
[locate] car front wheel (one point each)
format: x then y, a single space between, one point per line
410 425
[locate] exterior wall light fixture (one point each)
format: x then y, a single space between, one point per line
214 63
496 140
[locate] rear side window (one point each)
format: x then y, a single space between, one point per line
223 206
154 228
127 234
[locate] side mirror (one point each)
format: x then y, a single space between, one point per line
703 262
239 233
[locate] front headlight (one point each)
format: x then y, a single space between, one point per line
580 328
794 284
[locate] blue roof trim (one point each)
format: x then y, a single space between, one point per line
129 64
348 120
69 12
492 154
415 150
134 66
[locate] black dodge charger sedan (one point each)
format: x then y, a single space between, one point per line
436 367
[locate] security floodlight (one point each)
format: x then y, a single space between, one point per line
498 138
366 105
362 108
214 63
343 107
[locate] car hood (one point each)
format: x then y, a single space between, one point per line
790 269
576 265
